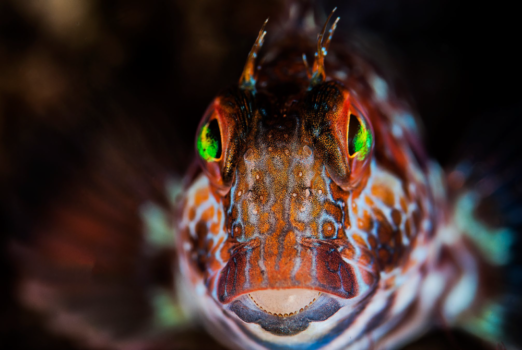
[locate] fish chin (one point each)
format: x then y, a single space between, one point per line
284 312
255 315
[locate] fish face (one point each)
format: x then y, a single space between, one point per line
282 171
285 214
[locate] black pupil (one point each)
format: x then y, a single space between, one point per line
215 134
352 132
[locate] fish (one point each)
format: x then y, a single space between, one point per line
311 218
318 221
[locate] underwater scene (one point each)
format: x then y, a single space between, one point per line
280 174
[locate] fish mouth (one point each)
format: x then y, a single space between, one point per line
285 292
266 276
285 312
284 302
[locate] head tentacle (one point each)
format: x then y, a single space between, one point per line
318 72
248 79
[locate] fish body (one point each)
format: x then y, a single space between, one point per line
318 220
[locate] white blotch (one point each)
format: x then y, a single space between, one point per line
380 88
174 189
495 243
167 313
341 75
396 131
201 290
461 296
432 289
407 293
158 228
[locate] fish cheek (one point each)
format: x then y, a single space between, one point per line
334 159
199 257
232 153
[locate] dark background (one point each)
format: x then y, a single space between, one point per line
69 68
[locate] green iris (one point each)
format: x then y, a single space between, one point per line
361 142
209 141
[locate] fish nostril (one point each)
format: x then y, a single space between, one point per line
284 302
249 155
307 151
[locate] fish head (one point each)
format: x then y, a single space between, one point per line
282 168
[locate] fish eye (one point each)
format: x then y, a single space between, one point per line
209 141
359 138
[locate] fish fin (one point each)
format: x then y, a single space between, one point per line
487 195
98 260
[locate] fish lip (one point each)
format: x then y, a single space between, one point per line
286 305
334 275
322 309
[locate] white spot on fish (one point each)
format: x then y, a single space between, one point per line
380 88
341 75
396 131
